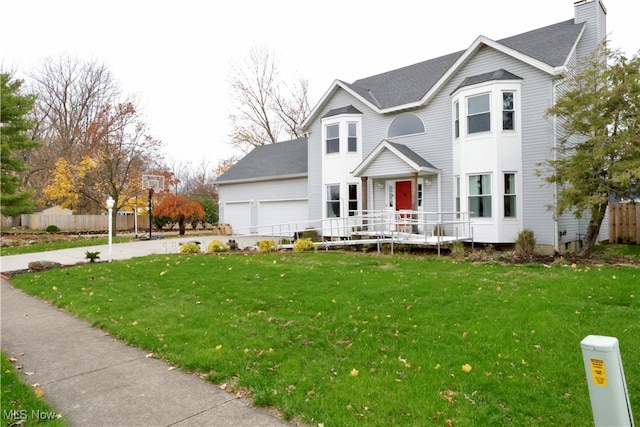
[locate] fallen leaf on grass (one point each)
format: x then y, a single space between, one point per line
354 372
466 367
39 392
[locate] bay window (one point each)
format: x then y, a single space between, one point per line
509 195
508 111
333 138
333 201
478 113
480 196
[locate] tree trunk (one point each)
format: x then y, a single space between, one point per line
593 229
182 226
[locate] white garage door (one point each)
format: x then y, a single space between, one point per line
239 216
284 212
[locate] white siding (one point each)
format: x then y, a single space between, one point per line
249 195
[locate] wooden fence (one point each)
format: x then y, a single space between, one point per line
94 223
81 222
624 223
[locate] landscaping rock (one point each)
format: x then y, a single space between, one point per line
43 265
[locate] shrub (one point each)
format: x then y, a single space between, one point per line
304 245
217 246
311 234
52 229
457 251
92 256
190 248
267 246
526 242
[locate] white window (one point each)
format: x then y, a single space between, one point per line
405 124
333 138
457 197
353 199
508 111
456 122
478 113
333 201
480 196
352 138
509 195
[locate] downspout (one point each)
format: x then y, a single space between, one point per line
556 237
439 179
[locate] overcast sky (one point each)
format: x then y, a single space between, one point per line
175 55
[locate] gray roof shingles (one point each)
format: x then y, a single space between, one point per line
550 45
500 74
284 159
411 155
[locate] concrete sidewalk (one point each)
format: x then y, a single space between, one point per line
93 379
119 251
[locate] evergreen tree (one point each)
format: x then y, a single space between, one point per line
15 108
598 153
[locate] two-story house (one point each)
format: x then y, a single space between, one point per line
464 132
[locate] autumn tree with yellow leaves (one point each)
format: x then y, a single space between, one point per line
117 152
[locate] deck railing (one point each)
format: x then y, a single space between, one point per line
405 226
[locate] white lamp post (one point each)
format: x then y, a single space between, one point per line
110 203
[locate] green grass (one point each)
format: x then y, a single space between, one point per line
55 245
614 251
353 339
19 401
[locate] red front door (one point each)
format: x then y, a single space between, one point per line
403 195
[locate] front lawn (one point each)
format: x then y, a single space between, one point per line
23 405
372 340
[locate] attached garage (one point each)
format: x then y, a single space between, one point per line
273 212
268 186
238 215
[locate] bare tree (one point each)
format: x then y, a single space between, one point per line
71 94
265 108
118 151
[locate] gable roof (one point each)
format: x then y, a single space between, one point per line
404 153
548 48
287 159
